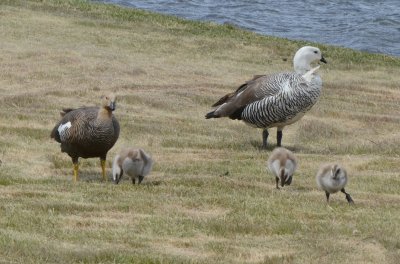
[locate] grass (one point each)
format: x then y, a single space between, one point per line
209 198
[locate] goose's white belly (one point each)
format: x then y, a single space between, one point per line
288 122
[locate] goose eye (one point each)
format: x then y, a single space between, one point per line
315 51
106 98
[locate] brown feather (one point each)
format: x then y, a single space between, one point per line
93 131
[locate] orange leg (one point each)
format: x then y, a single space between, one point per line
103 169
76 169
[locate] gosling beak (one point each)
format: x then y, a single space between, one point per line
323 59
116 179
283 179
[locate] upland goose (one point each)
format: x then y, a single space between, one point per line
282 163
88 132
135 162
275 100
333 178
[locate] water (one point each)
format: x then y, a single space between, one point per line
367 25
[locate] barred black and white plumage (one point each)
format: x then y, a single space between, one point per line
286 106
88 132
275 100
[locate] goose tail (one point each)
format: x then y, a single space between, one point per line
211 115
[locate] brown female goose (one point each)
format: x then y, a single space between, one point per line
88 132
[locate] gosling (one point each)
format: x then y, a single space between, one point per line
333 178
135 162
282 163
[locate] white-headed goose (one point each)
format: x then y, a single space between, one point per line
275 100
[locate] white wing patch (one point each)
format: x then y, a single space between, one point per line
63 130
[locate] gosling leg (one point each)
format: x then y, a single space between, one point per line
348 197
327 196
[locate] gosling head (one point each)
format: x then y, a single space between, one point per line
338 173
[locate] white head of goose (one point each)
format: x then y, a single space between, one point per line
282 163
88 132
275 100
333 178
135 162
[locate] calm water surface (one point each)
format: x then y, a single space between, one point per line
368 25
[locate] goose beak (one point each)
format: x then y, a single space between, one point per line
323 59
112 106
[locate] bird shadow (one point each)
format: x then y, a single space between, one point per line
258 146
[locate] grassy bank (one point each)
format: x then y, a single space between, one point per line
209 198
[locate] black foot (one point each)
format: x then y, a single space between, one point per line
348 197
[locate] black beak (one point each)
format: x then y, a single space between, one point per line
323 59
117 179
112 106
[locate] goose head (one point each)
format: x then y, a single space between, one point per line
305 56
108 102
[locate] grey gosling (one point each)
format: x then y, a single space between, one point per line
135 162
275 100
333 178
282 163
88 132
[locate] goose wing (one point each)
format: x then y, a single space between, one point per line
261 86
75 125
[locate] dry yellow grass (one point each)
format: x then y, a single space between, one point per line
209 198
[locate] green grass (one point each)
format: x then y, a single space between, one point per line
209 198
